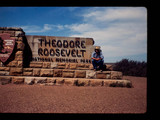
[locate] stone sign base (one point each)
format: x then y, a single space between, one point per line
38 60
50 81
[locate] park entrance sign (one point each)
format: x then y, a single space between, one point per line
51 60
6 46
61 49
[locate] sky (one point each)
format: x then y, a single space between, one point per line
120 31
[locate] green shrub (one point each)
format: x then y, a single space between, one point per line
132 68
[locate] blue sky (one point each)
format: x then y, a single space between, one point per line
120 31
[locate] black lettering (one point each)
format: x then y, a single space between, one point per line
83 52
73 53
47 43
35 59
59 43
52 53
83 44
71 44
43 59
66 59
51 60
40 51
46 53
77 44
57 59
68 53
86 60
62 53
82 60
41 41
53 43
57 53
78 54
63 60
65 43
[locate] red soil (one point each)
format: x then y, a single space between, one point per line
73 99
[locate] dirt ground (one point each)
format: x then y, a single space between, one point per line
73 99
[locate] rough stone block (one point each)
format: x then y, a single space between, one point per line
90 67
109 67
96 82
87 65
108 82
19 54
81 65
40 80
72 65
57 73
49 84
19 33
80 74
61 65
36 72
46 73
12 63
69 81
67 66
89 41
83 82
101 75
108 74
51 80
20 45
116 75
20 64
27 73
68 74
20 38
54 65
4 68
118 83
16 71
46 64
12 33
36 65
29 80
59 81
5 80
4 73
17 80
90 74
27 69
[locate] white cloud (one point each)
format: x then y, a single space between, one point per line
120 31
38 29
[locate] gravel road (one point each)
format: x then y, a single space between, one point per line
73 99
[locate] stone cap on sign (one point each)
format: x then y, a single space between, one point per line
11 28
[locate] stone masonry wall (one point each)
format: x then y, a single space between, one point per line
30 57
14 65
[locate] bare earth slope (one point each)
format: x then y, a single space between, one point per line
73 99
